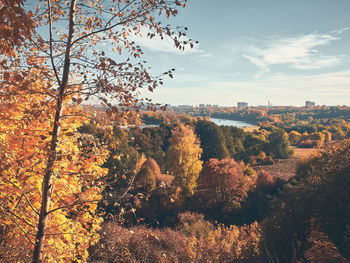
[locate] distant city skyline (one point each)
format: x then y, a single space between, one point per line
252 50
268 104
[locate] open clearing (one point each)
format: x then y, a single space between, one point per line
304 152
285 168
251 128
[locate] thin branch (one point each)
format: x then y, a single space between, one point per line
20 218
25 233
75 203
106 28
133 179
25 196
39 47
51 48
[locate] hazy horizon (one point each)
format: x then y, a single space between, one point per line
258 105
254 51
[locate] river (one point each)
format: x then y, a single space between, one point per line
238 124
220 122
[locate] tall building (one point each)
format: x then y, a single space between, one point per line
309 104
242 105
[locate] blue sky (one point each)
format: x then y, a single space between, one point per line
257 50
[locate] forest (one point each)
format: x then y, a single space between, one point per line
86 182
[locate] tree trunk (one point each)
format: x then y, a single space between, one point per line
52 152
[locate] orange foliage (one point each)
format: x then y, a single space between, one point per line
16 25
322 249
140 244
223 182
49 170
25 125
265 179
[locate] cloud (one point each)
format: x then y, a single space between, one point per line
259 63
321 62
204 54
340 31
301 52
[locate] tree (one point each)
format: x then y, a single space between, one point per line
294 137
234 138
148 175
71 44
183 159
159 137
253 145
222 185
24 138
152 165
146 179
153 142
280 144
317 194
327 135
122 164
212 140
322 250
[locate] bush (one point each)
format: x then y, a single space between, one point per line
265 180
193 224
320 191
139 244
223 186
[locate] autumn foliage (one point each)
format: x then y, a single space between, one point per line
322 249
52 59
25 121
16 26
223 184
148 175
140 244
183 159
309 220
65 169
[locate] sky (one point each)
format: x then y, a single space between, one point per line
283 51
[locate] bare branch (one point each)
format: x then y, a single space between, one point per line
51 49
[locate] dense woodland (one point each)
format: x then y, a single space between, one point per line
83 183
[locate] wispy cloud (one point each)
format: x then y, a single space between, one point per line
259 63
340 31
301 52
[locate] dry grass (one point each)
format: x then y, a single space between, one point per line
251 129
304 152
283 168
286 168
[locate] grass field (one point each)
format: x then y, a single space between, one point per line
285 168
251 128
304 152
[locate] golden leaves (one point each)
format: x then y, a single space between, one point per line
183 158
26 116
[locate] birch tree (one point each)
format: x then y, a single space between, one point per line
71 51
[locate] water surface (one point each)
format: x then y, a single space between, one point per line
238 124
